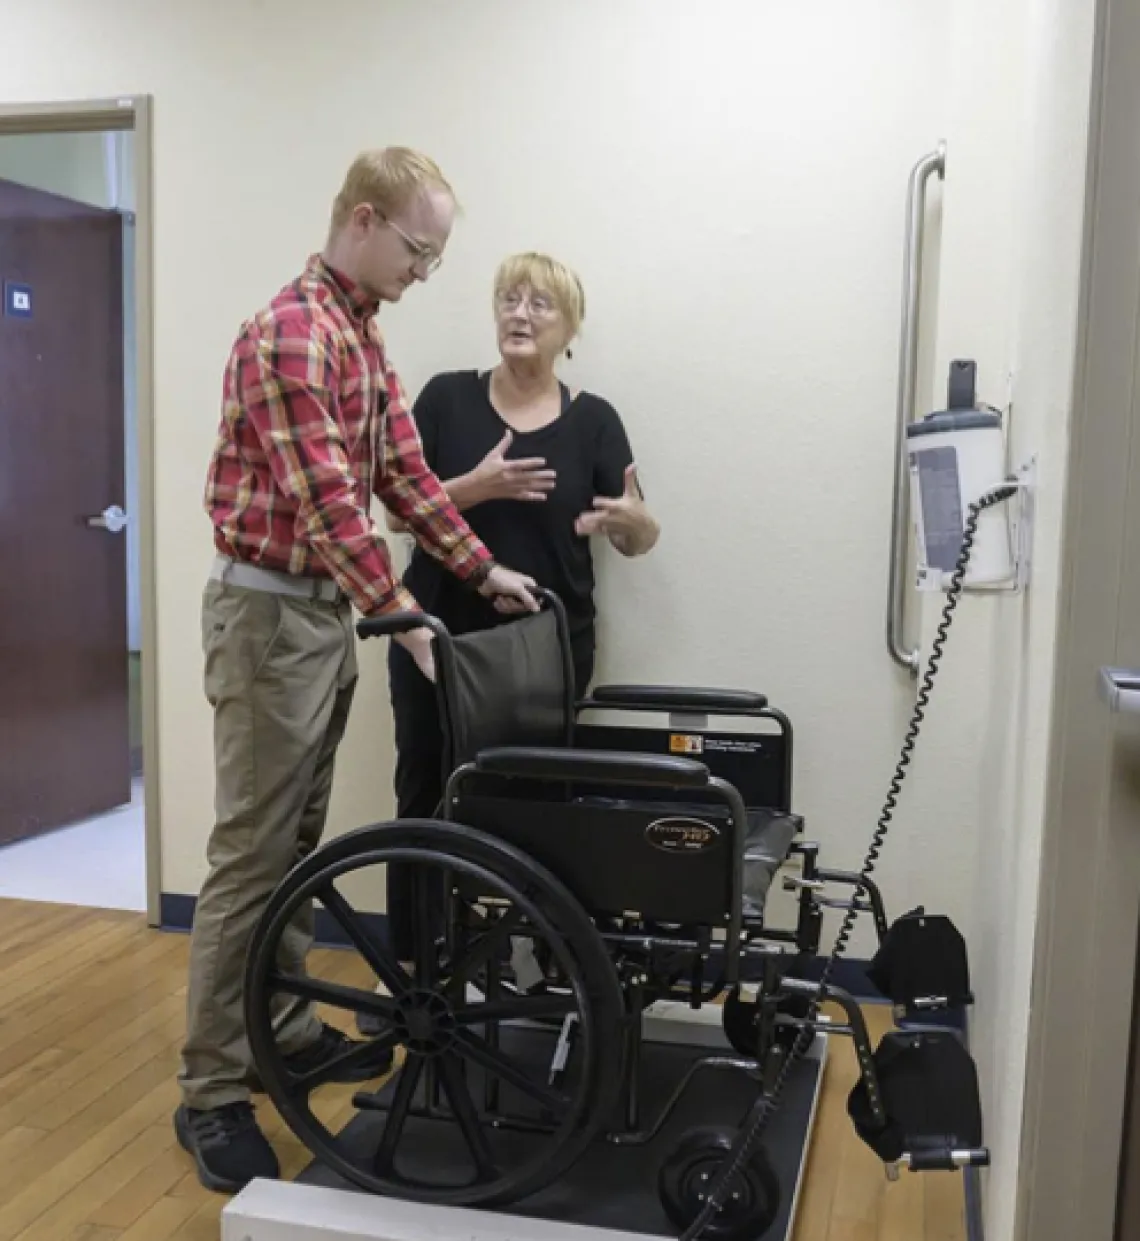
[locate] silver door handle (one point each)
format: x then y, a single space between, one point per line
1120 688
112 519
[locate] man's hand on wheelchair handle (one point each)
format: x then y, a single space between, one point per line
511 591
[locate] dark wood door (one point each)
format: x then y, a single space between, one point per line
64 697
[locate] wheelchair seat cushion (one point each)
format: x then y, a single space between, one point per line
766 847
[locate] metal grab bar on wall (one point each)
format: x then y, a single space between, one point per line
935 162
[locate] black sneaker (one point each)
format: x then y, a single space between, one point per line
333 1043
330 1044
228 1147
370 1025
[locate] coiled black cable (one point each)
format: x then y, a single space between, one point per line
768 1103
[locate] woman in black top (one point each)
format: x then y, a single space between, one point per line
536 469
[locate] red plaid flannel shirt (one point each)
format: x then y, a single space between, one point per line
314 422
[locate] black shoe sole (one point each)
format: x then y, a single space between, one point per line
211 1180
349 1077
366 1073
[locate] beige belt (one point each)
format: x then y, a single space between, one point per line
251 577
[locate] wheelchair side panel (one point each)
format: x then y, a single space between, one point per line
668 864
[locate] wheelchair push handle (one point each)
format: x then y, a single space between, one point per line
388 625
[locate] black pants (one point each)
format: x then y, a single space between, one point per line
419 770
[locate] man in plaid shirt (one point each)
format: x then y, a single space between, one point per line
314 424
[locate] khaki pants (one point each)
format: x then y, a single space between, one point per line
280 675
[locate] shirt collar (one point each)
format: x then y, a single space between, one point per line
359 304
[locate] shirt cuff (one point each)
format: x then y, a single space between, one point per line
470 560
401 600
479 573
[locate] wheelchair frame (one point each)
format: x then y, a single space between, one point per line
610 961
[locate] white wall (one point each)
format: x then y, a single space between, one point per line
67 164
1011 245
1059 38
728 178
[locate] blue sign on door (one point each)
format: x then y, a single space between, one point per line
17 300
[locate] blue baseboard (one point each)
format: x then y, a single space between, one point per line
176 913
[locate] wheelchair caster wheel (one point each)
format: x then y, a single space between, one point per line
691 1170
741 1022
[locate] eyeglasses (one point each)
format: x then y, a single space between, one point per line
425 255
539 304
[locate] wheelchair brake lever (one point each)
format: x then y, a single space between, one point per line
562 1050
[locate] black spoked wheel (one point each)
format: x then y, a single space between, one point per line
496 1092
752 1202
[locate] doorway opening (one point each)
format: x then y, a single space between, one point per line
77 818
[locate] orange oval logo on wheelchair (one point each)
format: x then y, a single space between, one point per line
682 835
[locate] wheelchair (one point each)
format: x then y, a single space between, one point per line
583 869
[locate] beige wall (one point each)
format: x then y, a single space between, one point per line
1009 298
728 177
734 205
69 164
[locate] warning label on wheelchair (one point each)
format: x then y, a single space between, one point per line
708 743
733 745
682 835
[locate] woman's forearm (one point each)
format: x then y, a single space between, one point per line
638 539
465 491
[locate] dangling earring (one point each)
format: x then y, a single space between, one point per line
569 353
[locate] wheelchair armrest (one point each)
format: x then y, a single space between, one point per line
603 766
389 624
676 698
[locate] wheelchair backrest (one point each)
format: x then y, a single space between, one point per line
514 685
511 685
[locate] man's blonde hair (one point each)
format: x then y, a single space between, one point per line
387 179
546 275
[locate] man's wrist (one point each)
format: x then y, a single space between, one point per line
480 574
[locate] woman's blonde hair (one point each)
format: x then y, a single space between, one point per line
547 275
387 180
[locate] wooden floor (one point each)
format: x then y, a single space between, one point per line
91 1018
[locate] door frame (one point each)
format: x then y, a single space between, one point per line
128 113
1086 936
